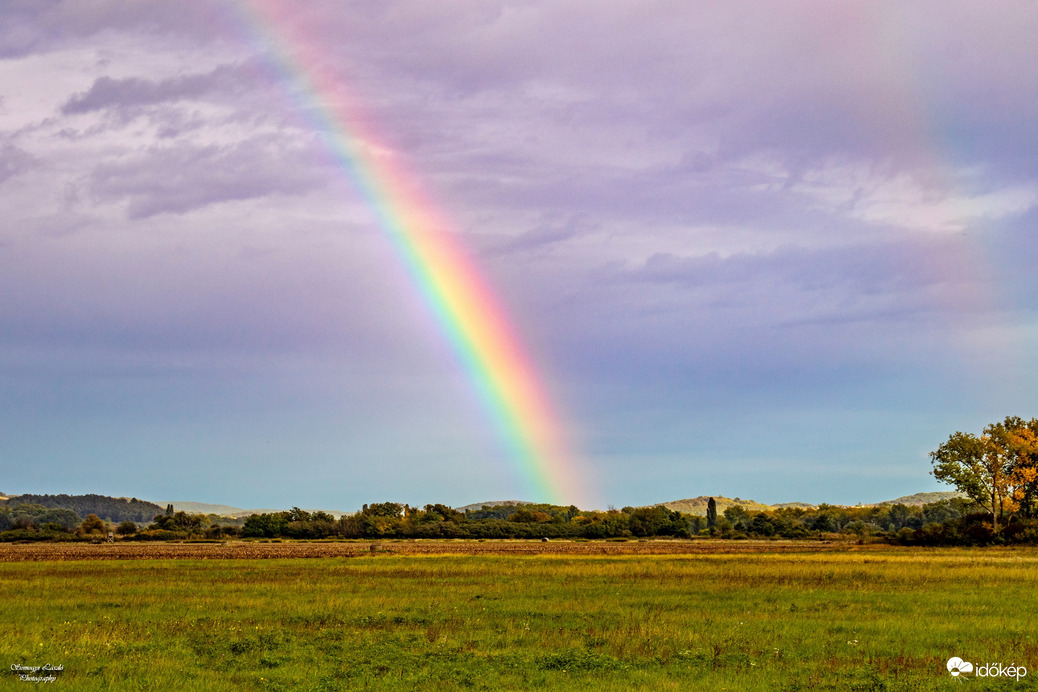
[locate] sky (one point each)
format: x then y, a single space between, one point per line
777 251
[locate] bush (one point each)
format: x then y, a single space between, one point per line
16 535
181 522
92 524
265 525
905 536
156 535
1023 533
762 526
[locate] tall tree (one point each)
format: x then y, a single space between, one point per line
997 469
711 513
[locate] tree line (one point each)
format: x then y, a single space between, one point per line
33 521
114 509
997 471
947 522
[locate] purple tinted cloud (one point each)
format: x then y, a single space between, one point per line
855 270
182 178
121 94
35 27
13 161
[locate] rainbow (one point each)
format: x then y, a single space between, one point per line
470 317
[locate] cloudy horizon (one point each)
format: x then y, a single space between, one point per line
774 252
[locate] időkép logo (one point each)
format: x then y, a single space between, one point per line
956 666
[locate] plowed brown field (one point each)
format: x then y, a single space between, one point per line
250 550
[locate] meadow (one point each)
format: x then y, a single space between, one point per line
719 617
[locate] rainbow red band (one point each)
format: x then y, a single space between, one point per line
466 310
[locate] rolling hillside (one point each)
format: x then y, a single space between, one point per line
493 503
697 505
235 512
922 498
113 509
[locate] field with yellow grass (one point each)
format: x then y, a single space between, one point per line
473 615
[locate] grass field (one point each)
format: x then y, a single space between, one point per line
720 618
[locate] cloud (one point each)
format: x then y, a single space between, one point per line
182 178
13 161
32 27
540 239
696 216
591 111
859 270
763 321
1012 247
122 94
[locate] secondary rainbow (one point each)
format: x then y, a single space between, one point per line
469 315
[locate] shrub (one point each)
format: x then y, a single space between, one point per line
92 524
265 525
156 535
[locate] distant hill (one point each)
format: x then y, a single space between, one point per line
923 498
205 508
494 503
235 512
115 509
697 505
120 509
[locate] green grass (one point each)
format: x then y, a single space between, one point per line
885 620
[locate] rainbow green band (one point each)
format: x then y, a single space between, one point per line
472 320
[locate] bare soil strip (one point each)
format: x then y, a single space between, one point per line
253 550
